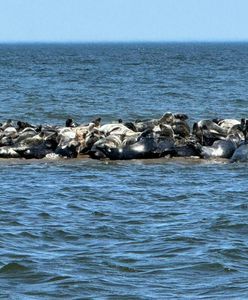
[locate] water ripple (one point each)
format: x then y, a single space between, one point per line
154 229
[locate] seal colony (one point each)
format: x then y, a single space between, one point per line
168 136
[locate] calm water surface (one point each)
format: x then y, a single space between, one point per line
155 229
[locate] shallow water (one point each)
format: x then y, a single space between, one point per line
141 229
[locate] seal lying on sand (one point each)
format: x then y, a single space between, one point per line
168 135
240 154
149 144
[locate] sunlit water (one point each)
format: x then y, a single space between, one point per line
148 229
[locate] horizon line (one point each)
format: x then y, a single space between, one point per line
121 41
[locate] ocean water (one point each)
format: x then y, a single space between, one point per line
140 229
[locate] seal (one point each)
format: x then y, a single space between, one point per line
168 135
70 123
240 154
116 129
146 147
181 128
212 126
68 145
8 152
206 136
227 123
167 118
97 151
219 149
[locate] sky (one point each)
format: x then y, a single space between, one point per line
123 20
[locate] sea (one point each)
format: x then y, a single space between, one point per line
138 229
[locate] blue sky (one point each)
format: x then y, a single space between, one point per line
123 20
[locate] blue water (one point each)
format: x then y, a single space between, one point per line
153 229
